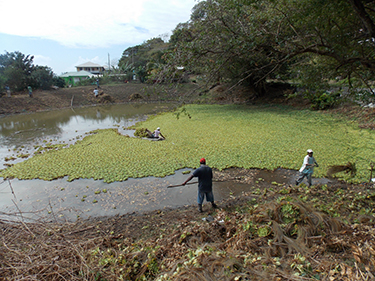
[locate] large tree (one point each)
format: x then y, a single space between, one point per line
248 41
42 77
144 58
18 71
15 70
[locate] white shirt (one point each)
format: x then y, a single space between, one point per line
305 168
156 133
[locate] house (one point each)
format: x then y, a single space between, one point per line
91 67
71 78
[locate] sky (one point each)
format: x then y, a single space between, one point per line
64 34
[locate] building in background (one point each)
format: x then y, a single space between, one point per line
72 78
91 67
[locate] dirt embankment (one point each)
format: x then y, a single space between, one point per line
83 96
135 92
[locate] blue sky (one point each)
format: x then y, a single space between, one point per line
63 34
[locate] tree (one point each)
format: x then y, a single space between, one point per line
248 41
42 77
58 81
16 69
143 58
223 43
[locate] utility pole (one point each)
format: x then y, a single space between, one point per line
109 64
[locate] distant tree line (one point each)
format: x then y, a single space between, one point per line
17 71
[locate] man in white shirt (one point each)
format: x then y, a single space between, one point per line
307 168
156 134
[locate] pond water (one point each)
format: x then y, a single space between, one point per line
60 199
63 200
19 134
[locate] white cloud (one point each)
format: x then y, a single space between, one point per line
82 60
41 60
83 23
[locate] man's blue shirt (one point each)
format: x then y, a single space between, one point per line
204 174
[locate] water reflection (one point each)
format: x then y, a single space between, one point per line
60 199
27 130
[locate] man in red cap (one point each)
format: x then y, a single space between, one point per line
204 174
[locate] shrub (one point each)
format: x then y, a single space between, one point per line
321 100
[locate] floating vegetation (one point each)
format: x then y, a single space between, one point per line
141 132
23 155
49 146
289 212
54 146
10 159
264 231
247 137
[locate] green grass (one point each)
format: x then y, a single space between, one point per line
226 135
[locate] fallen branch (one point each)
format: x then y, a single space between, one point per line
81 230
348 168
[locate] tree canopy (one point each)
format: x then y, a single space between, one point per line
18 71
248 41
143 59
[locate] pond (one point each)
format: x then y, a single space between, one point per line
25 131
20 135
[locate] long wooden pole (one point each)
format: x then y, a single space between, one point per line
181 184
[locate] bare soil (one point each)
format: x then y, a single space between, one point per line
83 96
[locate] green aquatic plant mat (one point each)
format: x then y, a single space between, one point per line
226 135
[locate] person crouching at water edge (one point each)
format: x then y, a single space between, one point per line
307 168
156 134
204 174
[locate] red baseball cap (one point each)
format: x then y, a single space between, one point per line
202 161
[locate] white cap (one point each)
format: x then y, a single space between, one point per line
158 128
309 151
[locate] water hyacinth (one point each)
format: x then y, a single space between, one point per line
226 135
